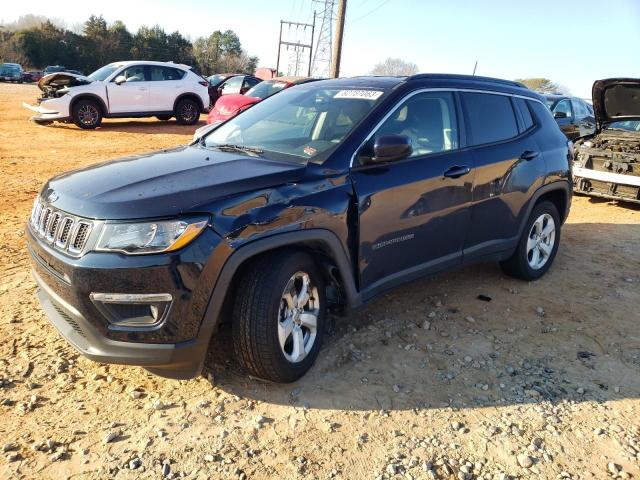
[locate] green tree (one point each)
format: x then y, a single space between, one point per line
543 85
121 42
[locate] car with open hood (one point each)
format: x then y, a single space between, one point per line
131 89
607 163
228 106
325 195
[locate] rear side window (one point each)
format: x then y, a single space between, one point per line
525 113
491 117
159 73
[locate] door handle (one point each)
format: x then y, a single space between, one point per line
456 172
529 155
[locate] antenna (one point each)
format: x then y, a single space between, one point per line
474 68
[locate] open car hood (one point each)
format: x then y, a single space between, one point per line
62 79
616 99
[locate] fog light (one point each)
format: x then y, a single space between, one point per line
133 311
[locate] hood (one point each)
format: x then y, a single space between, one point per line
61 80
616 99
228 104
164 183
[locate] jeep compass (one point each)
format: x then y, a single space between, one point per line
324 195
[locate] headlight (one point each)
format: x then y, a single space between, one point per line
149 237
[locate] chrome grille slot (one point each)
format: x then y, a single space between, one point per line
65 232
43 221
79 237
53 226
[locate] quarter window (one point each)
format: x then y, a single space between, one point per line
526 114
428 119
491 117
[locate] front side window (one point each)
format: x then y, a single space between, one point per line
428 119
301 125
232 85
134 74
563 106
491 117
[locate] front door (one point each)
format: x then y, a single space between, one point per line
414 213
132 95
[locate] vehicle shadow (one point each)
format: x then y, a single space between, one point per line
434 343
153 126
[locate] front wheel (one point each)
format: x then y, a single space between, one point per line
187 112
538 245
87 114
278 317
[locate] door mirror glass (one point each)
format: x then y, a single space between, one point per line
560 115
389 148
120 79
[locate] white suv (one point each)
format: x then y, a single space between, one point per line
123 89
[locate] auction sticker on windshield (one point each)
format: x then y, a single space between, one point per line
363 94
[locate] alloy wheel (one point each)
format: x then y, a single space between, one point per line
298 317
88 114
541 240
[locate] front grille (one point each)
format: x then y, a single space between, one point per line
65 232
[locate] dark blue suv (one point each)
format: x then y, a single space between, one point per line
322 196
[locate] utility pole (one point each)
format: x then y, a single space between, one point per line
337 51
296 45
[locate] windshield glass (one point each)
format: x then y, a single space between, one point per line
103 73
265 89
629 125
215 80
299 124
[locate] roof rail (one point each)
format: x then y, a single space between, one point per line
454 76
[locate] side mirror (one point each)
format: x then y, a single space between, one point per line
120 79
389 148
560 115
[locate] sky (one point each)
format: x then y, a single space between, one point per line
572 42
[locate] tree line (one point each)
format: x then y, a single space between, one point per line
37 42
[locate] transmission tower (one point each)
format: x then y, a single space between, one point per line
297 47
321 63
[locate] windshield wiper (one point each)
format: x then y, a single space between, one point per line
238 148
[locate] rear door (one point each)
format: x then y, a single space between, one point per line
585 121
165 86
131 96
414 213
508 165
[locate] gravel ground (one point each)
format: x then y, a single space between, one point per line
428 381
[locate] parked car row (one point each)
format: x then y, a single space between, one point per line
13 72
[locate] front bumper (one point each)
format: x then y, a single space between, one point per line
176 349
50 110
607 184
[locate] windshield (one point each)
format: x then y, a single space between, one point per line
103 73
629 125
215 80
299 124
265 89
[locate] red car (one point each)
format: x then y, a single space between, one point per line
228 106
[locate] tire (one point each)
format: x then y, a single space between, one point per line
538 245
187 112
262 317
87 114
164 118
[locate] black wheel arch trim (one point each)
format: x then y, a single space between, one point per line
558 185
210 320
89 96
191 96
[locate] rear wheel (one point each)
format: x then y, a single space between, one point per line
278 317
187 112
87 114
538 245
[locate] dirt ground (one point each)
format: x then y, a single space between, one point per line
429 381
